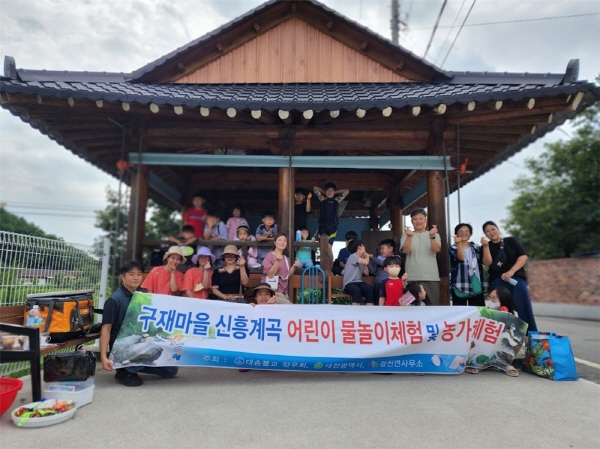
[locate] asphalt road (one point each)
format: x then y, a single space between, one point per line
584 337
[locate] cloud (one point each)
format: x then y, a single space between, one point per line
124 35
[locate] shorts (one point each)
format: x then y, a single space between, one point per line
331 231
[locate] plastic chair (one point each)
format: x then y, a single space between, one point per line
313 288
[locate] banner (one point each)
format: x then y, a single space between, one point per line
160 330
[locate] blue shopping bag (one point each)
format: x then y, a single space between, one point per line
550 356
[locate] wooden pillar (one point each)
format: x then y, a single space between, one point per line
436 205
326 263
136 224
395 212
286 206
373 219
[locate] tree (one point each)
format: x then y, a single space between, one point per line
557 209
13 223
160 222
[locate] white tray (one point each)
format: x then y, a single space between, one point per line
42 421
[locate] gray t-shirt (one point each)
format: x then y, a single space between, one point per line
353 271
421 262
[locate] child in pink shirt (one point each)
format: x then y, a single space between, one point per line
235 222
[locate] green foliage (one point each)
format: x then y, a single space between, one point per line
163 221
13 223
160 222
556 212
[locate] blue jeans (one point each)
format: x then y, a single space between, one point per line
520 293
162 371
359 289
306 263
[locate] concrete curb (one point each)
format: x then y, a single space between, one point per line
567 311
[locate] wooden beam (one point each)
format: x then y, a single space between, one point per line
484 137
476 117
236 180
482 145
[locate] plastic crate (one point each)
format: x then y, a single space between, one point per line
81 393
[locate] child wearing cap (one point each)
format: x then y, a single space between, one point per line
243 234
197 280
235 222
228 281
266 232
166 280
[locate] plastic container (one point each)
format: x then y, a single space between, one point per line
41 421
9 388
34 318
81 393
513 281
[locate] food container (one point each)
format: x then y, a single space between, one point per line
81 393
44 420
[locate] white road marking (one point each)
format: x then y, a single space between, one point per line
585 362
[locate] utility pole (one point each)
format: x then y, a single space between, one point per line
395 22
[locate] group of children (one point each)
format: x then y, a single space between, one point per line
390 286
200 224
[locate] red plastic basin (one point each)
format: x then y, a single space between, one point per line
9 388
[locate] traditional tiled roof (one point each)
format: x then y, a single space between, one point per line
334 96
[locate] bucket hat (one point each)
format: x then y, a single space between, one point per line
203 251
263 285
174 250
229 249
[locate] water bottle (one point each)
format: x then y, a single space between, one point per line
298 235
34 318
513 281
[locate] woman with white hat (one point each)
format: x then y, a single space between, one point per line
197 282
228 281
166 280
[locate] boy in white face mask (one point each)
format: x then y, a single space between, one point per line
501 299
392 289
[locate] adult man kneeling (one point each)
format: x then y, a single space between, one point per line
112 320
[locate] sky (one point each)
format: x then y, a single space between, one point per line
51 187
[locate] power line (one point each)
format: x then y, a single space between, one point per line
514 21
435 27
450 30
458 34
55 208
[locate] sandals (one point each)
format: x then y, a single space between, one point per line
510 371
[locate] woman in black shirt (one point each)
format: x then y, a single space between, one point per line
506 259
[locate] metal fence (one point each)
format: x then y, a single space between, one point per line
39 265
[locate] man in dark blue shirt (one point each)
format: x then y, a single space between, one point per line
112 319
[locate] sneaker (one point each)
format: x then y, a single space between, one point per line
128 379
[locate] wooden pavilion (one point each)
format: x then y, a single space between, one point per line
294 94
